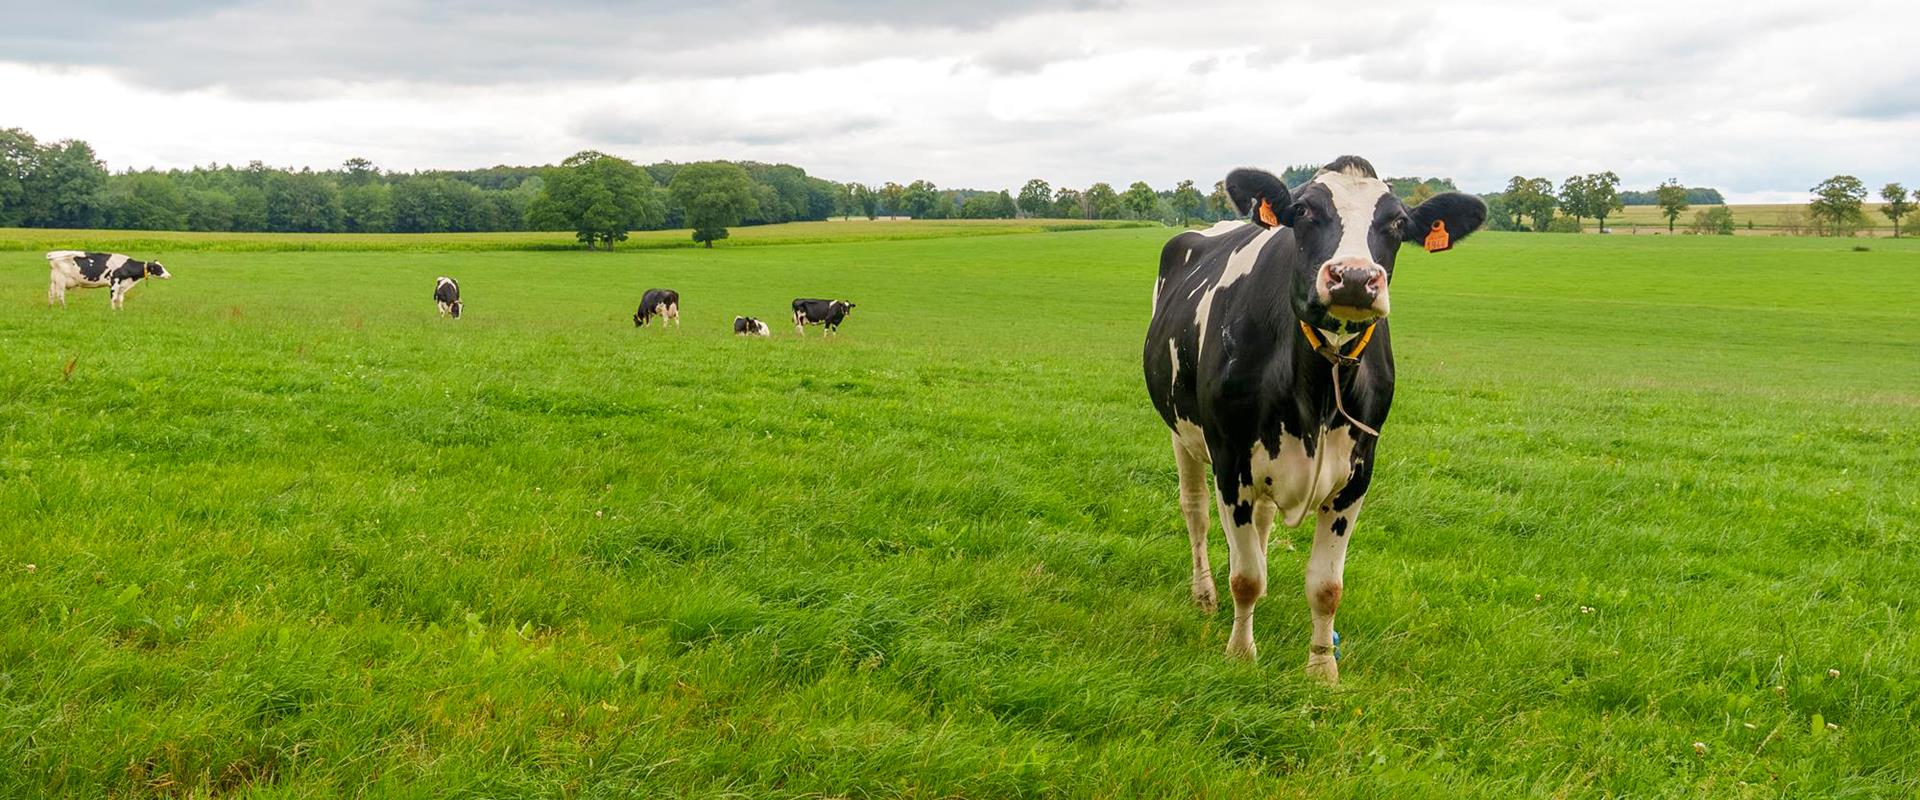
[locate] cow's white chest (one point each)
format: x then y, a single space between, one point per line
1297 482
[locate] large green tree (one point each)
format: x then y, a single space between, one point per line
1140 200
1187 202
715 195
1898 204
1533 198
1069 204
1036 198
1102 202
1596 195
600 197
1836 204
1672 199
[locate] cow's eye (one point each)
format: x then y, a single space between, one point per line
1301 213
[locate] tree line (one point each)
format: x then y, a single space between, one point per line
64 184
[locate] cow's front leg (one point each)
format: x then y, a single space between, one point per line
1193 507
119 296
1247 554
1325 568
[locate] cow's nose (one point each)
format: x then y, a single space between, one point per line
1354 283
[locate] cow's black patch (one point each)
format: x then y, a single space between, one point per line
1340 526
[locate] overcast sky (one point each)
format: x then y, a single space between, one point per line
1759 98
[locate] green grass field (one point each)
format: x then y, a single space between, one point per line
281 532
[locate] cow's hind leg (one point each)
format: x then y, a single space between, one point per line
1193 507
1263 513
1325 568
1247 553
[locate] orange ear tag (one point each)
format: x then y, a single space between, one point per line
1266 215
1437 239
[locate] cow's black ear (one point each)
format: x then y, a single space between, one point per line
1256 193
1458 215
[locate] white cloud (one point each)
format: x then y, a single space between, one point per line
1761 99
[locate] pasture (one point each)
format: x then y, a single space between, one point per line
275 530
1766 219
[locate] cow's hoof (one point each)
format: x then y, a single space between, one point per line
1242 650
1324 668
1205 596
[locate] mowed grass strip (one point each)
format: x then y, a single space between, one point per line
275 529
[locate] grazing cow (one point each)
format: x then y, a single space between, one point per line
748 326
662 303
829 313
446 293
1269 357
74 269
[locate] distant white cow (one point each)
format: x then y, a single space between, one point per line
75 269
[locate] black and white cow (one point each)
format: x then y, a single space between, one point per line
748 326
1269 357
662 303
75 269
446 294
829 313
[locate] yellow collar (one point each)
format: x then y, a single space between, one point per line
1326 348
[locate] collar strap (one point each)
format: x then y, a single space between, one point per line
1333 355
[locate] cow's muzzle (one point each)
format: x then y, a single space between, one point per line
1353 289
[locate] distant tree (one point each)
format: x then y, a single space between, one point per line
1672 199
1036 198
1596 195
1187 202
19 157
1297 175
1898 204
1140 200
1573 197
1219 205
358 172
1102 202
1714 220
599 197
989 205
1532 198
1420 194
865 200
920 198
1836 203
1603 197
891 197
67 187
716 196
1069 204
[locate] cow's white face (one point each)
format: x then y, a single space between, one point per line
1349 226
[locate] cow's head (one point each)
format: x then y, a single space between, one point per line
1348 226
154 269
846 309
